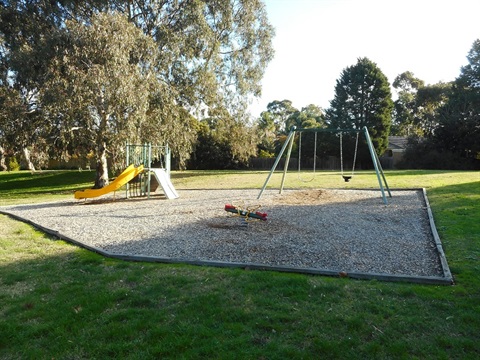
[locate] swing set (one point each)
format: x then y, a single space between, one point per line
346 177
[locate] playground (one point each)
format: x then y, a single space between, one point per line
338 232
331 232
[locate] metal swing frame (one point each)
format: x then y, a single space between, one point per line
289 143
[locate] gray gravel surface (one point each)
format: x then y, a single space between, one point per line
338 230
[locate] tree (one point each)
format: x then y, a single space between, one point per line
429 100
417 106
208 55
459 127
279 119
407 86
280 112
266 131
310 116
214 52
223 143
99 85
363 98
22 127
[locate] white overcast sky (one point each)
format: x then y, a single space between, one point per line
316 39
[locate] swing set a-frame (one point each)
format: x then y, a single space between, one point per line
382 181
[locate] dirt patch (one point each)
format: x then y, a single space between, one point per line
307 197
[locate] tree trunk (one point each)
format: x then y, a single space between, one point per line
26 155
101 179
3 166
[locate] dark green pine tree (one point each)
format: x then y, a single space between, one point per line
363 98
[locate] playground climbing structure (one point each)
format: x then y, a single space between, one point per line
156 162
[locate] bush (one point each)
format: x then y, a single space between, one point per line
265 154
422 153
12 164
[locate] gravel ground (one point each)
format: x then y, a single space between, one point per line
334 230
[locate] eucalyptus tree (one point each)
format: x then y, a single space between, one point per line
21 120
101 87
416 110
208 55
214 51
363 98
279 119
223 143
267 134
281 112
310 116
25 28
22 127
429 101
407 86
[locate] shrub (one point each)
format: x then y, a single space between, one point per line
422 153
13 164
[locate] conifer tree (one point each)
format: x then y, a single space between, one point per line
363 98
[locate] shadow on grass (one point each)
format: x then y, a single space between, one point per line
62 302
425 172
43 182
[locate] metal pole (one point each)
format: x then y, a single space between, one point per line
383 174
127 160
375 164
148 149
290 135
168 164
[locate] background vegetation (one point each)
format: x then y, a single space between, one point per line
59 301
78 79
87 76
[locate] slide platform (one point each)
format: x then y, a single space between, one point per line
128 174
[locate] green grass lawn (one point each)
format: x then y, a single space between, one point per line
59 301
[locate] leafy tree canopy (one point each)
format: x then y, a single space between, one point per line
363 98
311 116
192 55
280 112
459 122
416 109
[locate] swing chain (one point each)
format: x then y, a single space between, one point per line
341 154
300 157
354 154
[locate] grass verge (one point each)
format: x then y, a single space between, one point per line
59 301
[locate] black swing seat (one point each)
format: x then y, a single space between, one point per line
346 178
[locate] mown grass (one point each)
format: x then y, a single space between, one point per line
59 301
29 187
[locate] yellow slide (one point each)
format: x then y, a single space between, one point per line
128 174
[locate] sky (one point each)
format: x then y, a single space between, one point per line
317 39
